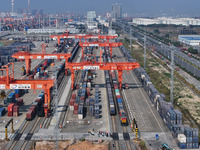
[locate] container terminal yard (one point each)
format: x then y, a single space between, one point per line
86 88
80 88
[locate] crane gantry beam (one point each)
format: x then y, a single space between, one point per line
28 56
80 36
7 81
101 44
119 66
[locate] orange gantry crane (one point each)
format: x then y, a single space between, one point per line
101 44
7 81
119 66
80 36
28 56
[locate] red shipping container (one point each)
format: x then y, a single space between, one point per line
16 108
73 95
118 96
75 112
115 86
16 95
10 113
88 93
71 102
31 77
20 102
10 107
29 115
38 100
76 106
15 114
32 108
82 98
45 63
77 86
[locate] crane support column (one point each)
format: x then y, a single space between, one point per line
6 133
120 72
12 126
82 52
28 65
48 95
58 40
110 51
46 102
72 79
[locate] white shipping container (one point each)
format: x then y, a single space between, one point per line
181 138
71 107
142 76
80 116
89 84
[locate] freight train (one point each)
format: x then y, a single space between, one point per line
119 103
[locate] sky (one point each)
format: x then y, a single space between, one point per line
133 7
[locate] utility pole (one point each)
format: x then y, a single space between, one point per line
130 38
172 76
39 22
55 91
123 32
145 50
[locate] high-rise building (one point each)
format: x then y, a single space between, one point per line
116 11
91 20
91 16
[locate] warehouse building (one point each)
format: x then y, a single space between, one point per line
192 40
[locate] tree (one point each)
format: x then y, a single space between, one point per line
156 31
192 50
3 94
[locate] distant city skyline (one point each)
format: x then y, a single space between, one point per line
140 8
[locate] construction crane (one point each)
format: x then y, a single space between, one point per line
80 36
28 56
101 44
119 66
7 81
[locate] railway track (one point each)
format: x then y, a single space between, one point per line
30 127
119 145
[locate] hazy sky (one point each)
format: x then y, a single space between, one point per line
146 7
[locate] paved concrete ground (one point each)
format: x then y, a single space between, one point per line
144 111
29 97
89 122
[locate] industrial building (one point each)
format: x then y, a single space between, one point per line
116 11
192 40
164 20
52 30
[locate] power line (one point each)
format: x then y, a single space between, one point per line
145 50
172 76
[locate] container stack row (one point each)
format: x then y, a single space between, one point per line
36 108
185 136
111 102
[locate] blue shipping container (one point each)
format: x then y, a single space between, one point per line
2 111
182 145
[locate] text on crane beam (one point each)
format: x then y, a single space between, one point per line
20 86
91 67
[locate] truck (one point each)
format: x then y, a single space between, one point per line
165 146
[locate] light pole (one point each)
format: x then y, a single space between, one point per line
172 76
